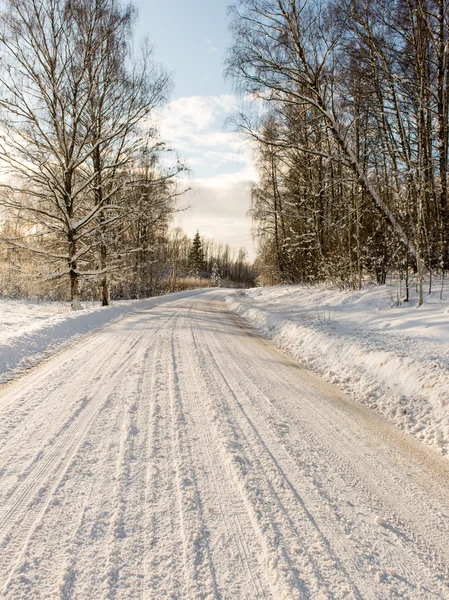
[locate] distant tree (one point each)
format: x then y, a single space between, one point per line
215 276
178 254
196 257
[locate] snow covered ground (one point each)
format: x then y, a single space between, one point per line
178 454
30 332
393 358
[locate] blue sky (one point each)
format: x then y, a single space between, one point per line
190 39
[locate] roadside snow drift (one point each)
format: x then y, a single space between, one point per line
31 332
393 358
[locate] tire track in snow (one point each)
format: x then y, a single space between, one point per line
199 575
89 469
128 536
163 543
231 529
49 422
29 407
403 563
227 347
54 425
36 408
68 550
119 569
213 468
296 571
61 362
20 514
42 410
318 418
125 547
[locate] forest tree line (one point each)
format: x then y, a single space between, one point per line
88 188
84 196
349 115
207 262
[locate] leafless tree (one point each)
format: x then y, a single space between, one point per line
75 113
359 93
285 53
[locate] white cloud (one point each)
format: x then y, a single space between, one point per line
223 181
219 212
196 113
195 127
219 208
222 167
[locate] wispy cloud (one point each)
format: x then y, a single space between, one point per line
211 48
195 115
195 126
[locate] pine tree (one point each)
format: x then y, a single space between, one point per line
196 257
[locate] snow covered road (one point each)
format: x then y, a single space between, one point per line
177 455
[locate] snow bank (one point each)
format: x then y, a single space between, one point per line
393 358
31 332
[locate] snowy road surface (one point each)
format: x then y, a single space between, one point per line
176 455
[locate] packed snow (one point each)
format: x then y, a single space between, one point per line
32 331
392 356
177 454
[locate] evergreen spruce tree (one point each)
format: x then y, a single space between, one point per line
196 257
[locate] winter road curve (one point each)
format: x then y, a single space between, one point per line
177 455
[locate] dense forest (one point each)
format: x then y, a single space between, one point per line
347 102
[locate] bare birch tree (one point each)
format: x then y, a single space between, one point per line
75 112
359 91
285 53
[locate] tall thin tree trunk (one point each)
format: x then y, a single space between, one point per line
75 292
443 76
276 217
105 288
105 281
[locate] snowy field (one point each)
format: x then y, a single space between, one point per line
393 358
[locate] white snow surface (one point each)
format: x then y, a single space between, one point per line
394 358
33 331
176 454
